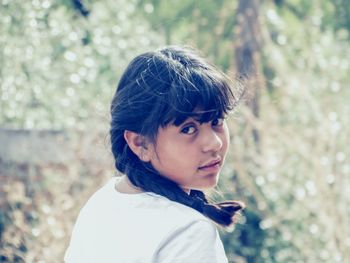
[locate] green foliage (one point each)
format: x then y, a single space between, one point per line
59 68
195 23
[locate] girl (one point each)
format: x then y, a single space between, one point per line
169 139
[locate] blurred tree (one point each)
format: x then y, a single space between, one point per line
248 53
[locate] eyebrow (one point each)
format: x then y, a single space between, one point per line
200 117
189 119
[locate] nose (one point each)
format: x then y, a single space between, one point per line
211 141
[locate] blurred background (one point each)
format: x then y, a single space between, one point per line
60 62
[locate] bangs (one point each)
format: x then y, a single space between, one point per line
199 95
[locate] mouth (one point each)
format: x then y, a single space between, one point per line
211 165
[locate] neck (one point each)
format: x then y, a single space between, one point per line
125 186
186 190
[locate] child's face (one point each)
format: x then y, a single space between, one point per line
191 154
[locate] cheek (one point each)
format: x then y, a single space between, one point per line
165 154
173 158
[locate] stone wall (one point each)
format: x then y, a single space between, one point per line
26 154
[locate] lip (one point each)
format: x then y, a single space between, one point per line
211 164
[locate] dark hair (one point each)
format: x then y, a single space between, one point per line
164 87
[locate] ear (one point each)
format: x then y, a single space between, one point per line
139 145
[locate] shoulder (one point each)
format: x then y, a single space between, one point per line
173 215
198 241
198 230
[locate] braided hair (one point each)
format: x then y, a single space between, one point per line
172 81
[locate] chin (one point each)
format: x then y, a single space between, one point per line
207 185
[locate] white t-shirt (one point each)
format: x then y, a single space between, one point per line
114 227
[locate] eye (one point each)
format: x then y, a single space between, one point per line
218 122
188 129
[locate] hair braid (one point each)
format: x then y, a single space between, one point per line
148 179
